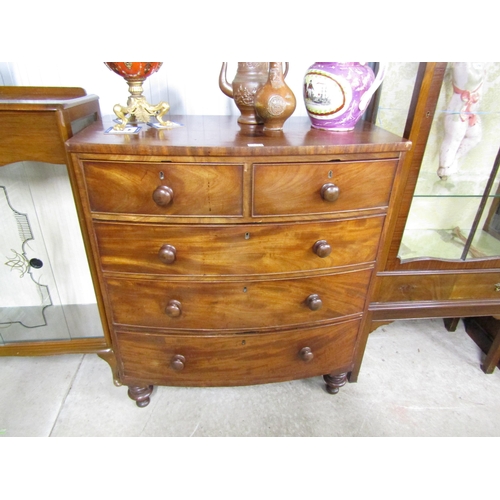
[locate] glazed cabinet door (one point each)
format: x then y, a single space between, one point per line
450 216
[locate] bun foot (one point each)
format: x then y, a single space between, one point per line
335 382
140 395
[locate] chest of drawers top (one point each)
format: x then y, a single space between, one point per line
222 136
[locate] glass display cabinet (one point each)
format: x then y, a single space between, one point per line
47 299
442 257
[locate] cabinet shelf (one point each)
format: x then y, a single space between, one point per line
444 244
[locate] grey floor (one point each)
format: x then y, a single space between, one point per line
417 379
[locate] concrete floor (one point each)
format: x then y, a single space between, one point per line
417 379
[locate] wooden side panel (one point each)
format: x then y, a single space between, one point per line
39 128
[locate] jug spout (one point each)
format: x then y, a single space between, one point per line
223 83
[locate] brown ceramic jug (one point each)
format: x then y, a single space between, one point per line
275 102
250 76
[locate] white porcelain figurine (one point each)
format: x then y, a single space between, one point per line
462 126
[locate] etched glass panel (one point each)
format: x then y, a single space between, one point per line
46 292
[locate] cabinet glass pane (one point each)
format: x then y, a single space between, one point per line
455 202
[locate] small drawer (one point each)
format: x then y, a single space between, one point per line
315 188
242 359
438 287
236 249
169 189
235 305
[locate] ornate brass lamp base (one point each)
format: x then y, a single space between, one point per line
138 109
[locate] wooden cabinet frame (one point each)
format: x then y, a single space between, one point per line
36 123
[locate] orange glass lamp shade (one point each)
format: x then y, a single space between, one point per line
137 109
134 70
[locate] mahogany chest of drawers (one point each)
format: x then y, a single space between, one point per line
224 256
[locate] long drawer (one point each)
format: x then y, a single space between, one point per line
236 249
237 305
443 286
241 359
164 188
287 189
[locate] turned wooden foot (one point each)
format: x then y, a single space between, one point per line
335 382
140 395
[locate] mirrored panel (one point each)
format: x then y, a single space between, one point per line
395 96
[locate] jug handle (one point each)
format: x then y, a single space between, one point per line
223 83
366 97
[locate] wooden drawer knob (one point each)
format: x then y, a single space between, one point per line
177 362
163 195
322 249
173 309
167 254
306 354
330 192
314 302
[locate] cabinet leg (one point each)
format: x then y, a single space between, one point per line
140 395
451 323
492 356
335 382
485 332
